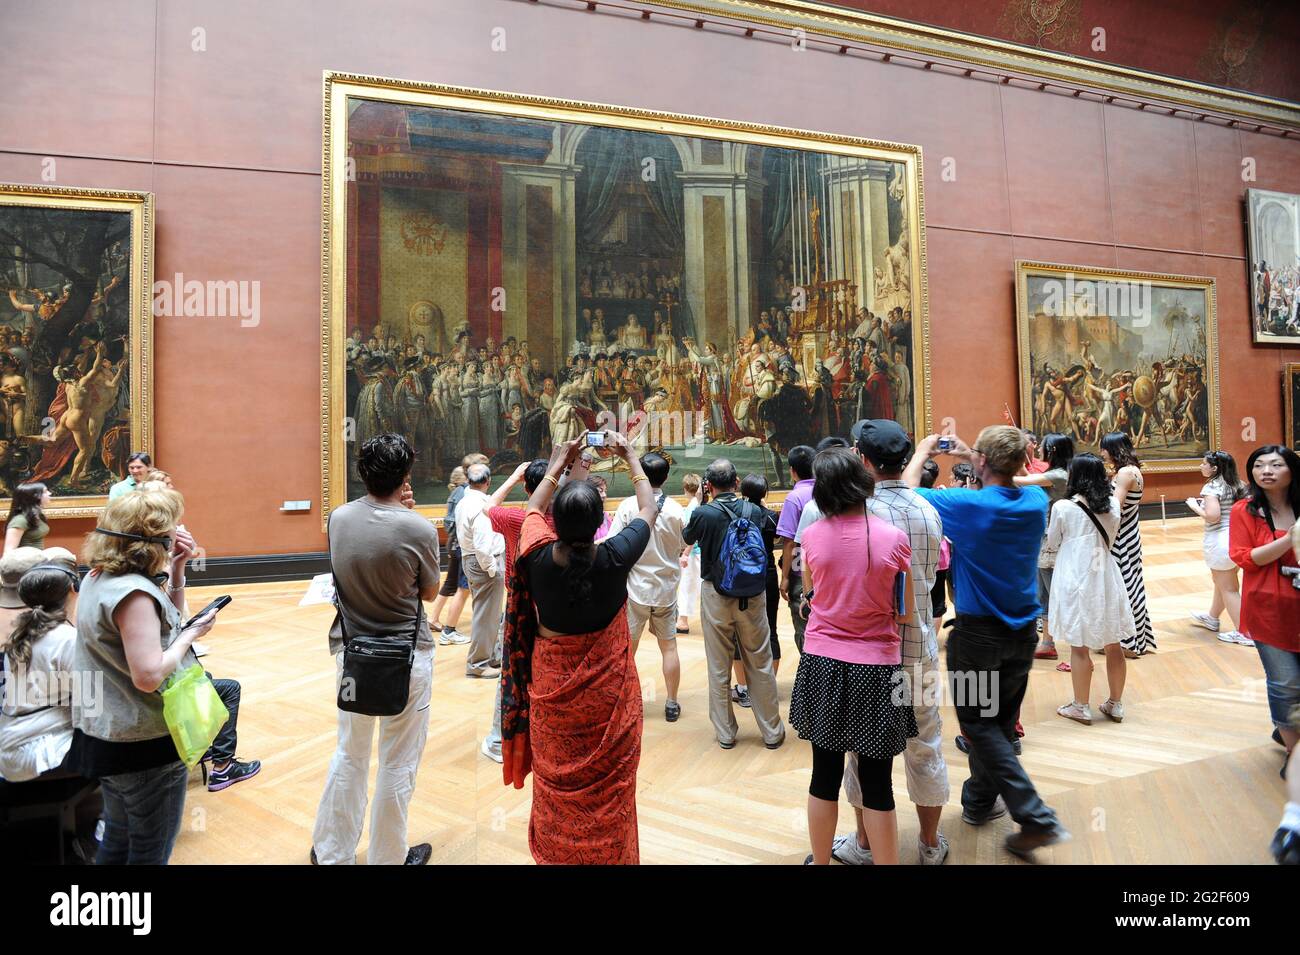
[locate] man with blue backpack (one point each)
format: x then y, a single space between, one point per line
733 600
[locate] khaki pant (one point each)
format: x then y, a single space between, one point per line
721 617
927 773
488 593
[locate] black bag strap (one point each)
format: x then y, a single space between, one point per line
1095 523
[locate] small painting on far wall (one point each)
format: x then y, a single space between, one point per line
1274 234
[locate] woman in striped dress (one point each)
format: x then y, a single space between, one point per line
1117 450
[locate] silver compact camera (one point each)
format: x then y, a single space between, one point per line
1294 574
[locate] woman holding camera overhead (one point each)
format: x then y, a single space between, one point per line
571 708
1259 542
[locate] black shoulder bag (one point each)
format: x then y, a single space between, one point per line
376 678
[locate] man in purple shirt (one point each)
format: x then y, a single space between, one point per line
800 460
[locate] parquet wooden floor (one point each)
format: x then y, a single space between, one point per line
1189 777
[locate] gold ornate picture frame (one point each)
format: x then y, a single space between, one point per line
356 330
76 318
1112 350
1291 403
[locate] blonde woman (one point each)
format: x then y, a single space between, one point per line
162 477
129 641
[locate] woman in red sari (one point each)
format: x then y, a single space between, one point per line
570 696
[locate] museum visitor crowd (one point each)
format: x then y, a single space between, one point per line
1030 545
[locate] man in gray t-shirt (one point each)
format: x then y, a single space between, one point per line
385 561
382 555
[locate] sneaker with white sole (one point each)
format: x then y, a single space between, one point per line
491 750
1113 710
1206 621
933 855
848 851
1237 637
451 635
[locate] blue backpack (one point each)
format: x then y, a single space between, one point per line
742 559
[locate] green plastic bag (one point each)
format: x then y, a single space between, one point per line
193 712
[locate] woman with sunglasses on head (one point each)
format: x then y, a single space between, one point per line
129 636
1259 542
1117 451
1222 490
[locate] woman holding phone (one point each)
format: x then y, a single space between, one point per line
129 635
571 710
855 569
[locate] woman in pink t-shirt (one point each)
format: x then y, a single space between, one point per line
850 693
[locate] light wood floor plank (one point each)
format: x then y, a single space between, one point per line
1189 777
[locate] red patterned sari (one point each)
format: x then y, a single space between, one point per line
571 714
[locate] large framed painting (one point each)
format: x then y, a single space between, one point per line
1273 230
1291 405
76 276
502 272
1104 350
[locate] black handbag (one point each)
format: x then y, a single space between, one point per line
376 678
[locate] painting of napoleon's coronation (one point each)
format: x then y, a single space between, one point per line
1105 350
513 282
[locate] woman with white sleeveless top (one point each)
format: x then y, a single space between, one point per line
1089 603
1223 488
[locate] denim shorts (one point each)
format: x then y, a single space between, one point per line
1282 679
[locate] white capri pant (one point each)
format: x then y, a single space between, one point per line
688 588
927 773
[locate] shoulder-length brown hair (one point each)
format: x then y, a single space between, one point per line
149 512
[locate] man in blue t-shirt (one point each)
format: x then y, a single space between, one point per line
996 533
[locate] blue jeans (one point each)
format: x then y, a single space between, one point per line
1282 678
142 815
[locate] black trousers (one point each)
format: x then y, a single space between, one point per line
988 666
223 747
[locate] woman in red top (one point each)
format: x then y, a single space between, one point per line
1259 542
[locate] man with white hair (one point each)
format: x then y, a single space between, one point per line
483 561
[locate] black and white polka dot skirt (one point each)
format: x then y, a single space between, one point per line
852 707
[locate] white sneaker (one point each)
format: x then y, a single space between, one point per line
200 649
932 855
491 751
453 636
1236 636
845 849
1206 621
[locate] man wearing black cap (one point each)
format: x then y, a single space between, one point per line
885 449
